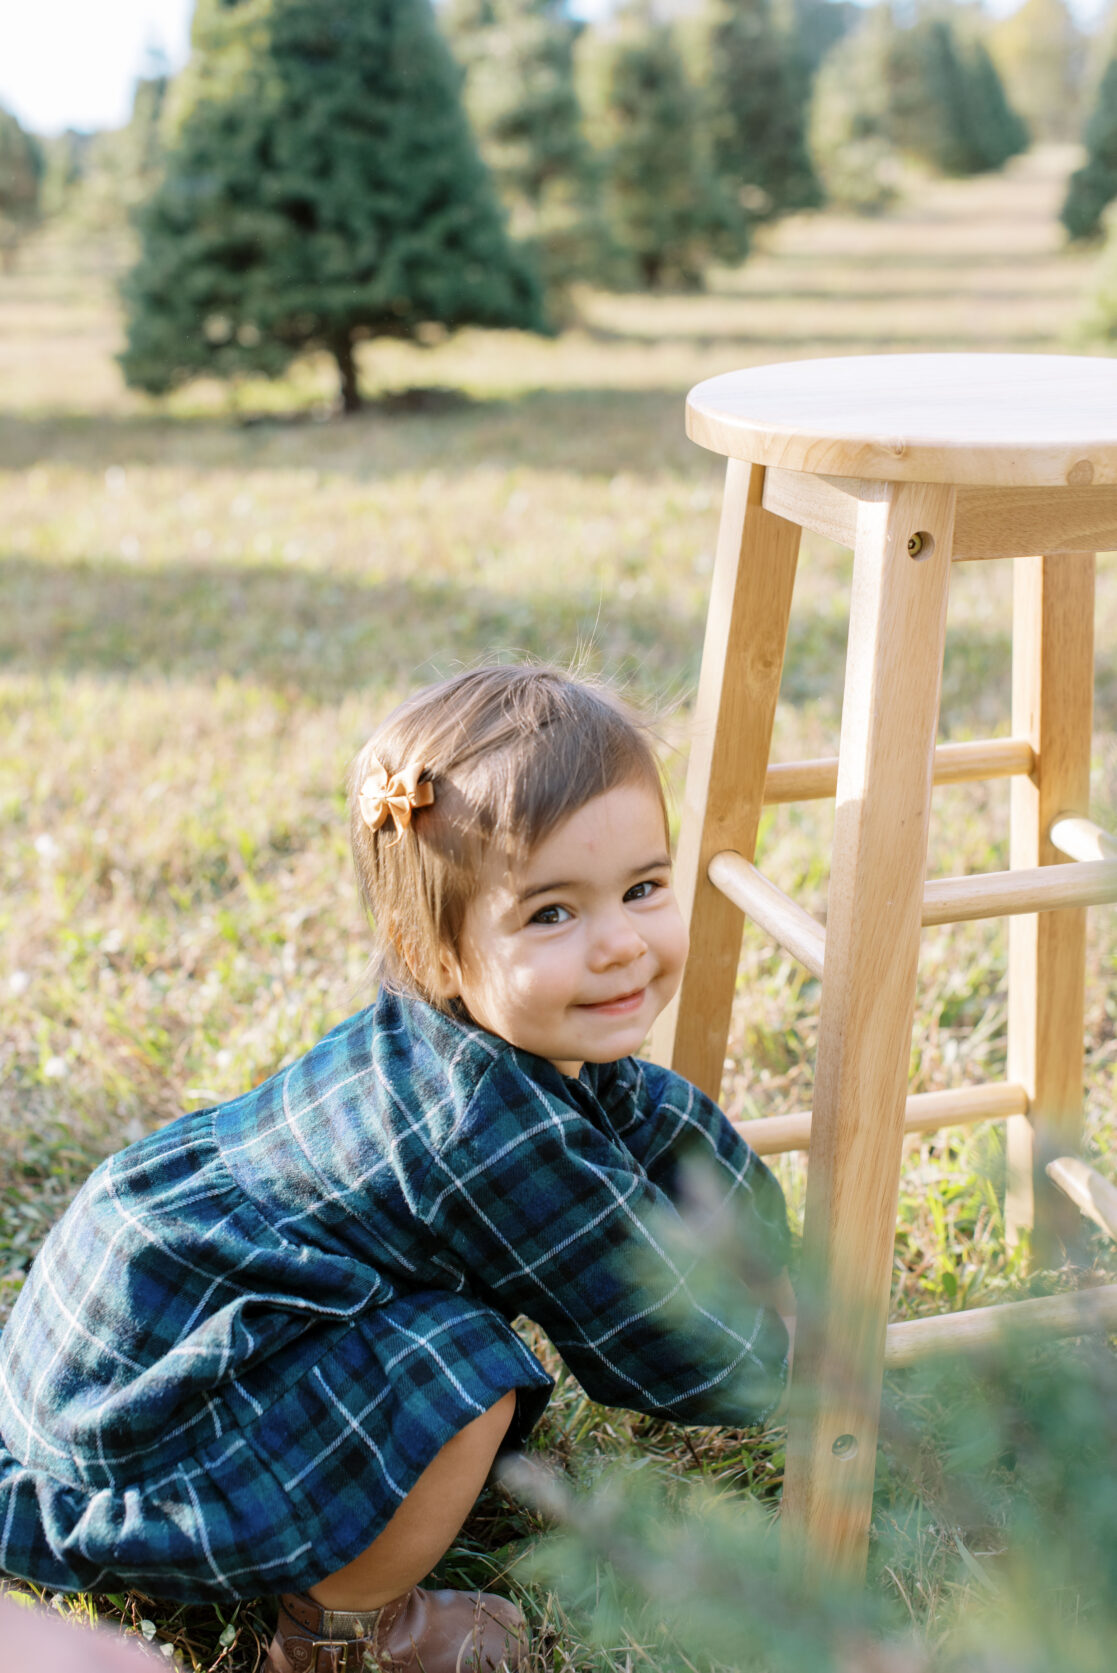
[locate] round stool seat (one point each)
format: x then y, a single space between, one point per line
994 420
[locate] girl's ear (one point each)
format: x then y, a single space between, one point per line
449 974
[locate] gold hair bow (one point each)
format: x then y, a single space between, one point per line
398 794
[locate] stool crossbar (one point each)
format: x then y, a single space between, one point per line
915 462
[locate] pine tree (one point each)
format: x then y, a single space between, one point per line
888 93
322 185
997 131
668 212
931 115
757 96
850 131
21 174
815 27
1102 322
95 182
522 99
1040 54
1100 47
1094 186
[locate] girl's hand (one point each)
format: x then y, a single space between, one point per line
33 1638
779 1295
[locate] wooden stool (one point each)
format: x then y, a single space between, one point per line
914 461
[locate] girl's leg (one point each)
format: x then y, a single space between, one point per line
426 1523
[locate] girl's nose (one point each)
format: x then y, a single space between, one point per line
616 941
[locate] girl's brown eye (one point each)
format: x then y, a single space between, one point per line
641 891
550 915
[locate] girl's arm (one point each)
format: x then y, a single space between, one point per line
550 1216
690 1150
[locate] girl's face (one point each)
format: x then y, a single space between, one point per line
573 956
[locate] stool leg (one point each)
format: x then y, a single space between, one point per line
889 720
742 659
1052 706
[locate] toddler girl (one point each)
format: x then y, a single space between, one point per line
270 1346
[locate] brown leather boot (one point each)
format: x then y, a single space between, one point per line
420 1632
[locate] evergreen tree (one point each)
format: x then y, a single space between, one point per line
1094 186
1102 322
322 186
1040 54
1098 50
940 100
889 93
998 132
850 131
667 210
21 174
522 99
757 93
66 166
95 182
814 27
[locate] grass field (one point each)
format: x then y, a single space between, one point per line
205 606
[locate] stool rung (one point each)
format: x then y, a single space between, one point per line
739 881
947 900
1075 1314
809 781
996 894
924 1112
1081 839
1087 1189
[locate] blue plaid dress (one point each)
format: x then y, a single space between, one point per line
253 1330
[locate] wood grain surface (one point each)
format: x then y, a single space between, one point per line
1010 420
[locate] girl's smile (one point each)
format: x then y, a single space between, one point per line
573 956
618 1007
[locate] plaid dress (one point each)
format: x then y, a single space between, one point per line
252 1330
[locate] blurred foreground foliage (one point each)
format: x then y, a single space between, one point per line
999 1487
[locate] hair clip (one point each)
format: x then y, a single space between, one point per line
398 794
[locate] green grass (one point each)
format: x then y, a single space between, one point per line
204 607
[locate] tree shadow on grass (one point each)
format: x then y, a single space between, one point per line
875 296
595 432
315 636
320 637
837 344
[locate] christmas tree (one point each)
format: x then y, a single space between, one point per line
667 210
1094 186
522 99
322 186
997 131
1041 56
757 95
21 173
889 92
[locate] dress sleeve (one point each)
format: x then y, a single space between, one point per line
551 1216
667 1123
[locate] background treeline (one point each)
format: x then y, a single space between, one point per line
927 91
327 170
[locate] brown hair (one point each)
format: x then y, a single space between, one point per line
510 752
